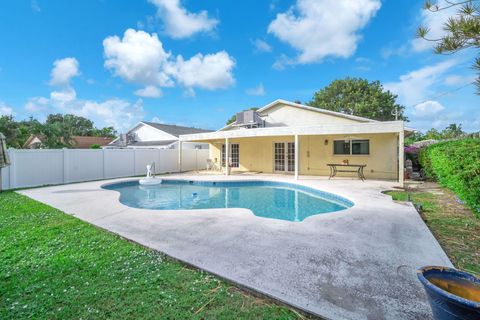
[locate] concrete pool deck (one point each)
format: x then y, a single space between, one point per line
358 263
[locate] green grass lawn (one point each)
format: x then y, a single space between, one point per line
54 266
455 227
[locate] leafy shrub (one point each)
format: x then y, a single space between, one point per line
95 146
456 165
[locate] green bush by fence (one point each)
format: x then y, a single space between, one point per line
456 165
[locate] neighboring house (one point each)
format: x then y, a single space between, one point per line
156 135
77 142
287 137
424 143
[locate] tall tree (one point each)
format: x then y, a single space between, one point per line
72 124
359 97
9 128
56 132
453 131
462 30
28 127
109 132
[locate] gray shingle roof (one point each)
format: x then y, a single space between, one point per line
145 143
175 130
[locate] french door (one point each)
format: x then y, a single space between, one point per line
284 157
234 155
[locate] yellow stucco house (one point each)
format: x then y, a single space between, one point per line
287 137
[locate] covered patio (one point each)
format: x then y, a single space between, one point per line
308 150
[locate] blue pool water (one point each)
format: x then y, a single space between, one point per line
267 199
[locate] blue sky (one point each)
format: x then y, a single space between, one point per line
198 62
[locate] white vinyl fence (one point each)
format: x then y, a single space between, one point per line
30 168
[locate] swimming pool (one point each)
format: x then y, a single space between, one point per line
268 199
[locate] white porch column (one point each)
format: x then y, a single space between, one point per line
180 156
227 156
296 156
401 158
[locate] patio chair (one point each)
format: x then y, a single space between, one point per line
211 165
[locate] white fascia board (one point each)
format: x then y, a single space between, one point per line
358 128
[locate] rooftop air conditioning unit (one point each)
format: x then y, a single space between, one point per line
249 119
131 137
122 140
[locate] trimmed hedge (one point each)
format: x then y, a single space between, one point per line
455 165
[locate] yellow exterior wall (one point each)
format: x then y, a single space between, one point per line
287 116
381 162
256 154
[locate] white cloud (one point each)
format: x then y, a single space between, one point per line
282 62
389 51
65 95
35 6
179 23
362 60
211 71
149 92
416 85
261 46
118 113
63 71
37 104
157 120
318 29
140 58
363 64
257 91
456 80
189 93
427 108
115 112
442 119
434 22
5 110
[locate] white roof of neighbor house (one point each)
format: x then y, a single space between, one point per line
174 130
170 129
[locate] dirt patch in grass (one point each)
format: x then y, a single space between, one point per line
456 228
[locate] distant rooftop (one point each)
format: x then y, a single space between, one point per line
175 130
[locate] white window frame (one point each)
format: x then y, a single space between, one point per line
351 149
234 149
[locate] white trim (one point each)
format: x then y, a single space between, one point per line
180 156
227 156
296 156
357 128
401 158
351 148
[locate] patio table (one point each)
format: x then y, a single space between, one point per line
358 168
